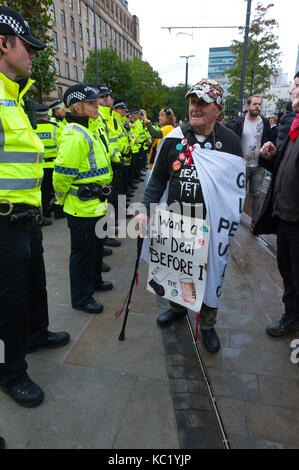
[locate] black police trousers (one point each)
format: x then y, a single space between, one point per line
23 294
85 259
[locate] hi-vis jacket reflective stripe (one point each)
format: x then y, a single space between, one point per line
106 121
21 151
47 132
122 137
82 158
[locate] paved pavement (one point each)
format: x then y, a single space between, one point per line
149 392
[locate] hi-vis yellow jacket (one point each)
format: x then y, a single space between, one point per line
47 132
82 158
106 122
21 151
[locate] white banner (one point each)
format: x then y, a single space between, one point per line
178 255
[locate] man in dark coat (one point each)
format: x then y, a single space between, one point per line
280 214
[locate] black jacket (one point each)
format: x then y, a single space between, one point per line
239 124
284 127
266 222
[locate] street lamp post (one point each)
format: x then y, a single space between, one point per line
245 47
95 42
186 83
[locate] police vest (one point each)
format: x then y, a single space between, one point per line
47 132
82 158
21 151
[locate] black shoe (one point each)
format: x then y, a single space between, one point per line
46 222
2 443
90 307
104 286
168 317
285 325
107 252
105 268
112 242
210 339
24 392
52 341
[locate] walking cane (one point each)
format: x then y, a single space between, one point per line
139 247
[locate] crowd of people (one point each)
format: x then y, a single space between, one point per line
88 149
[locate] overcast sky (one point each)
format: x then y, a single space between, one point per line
162 49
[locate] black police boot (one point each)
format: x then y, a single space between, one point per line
105 268
49 340
24 391
285 325
210 339
92 306
2 443
104 286
168 317
107 252
111 242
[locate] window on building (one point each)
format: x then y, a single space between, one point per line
59 90
75 71
81 54
110 32
80 31
57 66
71 3
99 23
55 44
114 36
64 40
72 25
79 6
67 70
62 15
87 36
53 16
105 44
100 43
86 13
74 49
119 41
82 75
105 28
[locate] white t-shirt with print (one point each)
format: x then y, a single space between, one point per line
251 141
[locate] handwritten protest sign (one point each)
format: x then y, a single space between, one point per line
178 254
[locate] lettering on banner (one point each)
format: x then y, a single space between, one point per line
178 258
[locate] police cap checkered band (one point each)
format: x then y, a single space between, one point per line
103 90
81 92
11 22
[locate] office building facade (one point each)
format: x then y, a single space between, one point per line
220 59
73 35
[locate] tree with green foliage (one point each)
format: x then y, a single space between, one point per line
36 13
112 72
135 81
263 56
176 101
148 92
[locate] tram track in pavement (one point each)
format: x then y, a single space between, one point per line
195 430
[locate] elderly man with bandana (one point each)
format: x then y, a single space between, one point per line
186 184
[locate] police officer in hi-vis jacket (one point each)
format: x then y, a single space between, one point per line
23 295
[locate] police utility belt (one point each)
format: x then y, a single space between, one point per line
86 192
19 212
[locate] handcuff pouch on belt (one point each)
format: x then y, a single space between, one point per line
89 191
20 212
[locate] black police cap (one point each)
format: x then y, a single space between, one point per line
41 108
81 92
12 22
